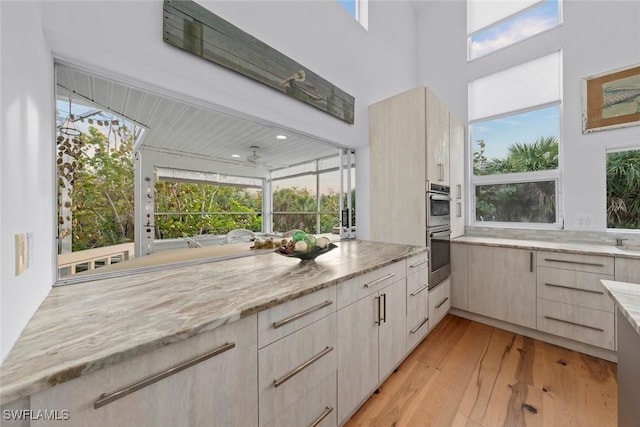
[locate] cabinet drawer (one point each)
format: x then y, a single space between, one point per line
317 406
439 302
369 283
586 325
417 319
293 366
284 319
566 261
574 287
417 262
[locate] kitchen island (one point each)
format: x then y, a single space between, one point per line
626 296
84 328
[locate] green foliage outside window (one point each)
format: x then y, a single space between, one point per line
531 202
623 189
96 197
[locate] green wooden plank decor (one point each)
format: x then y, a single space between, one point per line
191 27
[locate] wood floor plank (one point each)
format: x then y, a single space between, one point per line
470 374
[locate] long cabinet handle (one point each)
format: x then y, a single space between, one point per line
574 323
574 262
106 398
530 262
413 294
414 330
382 279
278 382
384 308
458 191
323 415
377 322
574 289
443 301
424 261
297 316
458 210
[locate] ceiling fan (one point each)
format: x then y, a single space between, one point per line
253 158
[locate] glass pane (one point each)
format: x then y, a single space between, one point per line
190 209
532 202
329 201
623 189
523 142
283 222
95 176
517 28
349 6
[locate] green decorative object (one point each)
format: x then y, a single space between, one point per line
311 240
299 235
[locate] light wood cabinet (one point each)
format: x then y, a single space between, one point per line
417 306
219 391
439 302
456 175
572 302
408 145
627 270
371 343
397 154
296 368
437 159
502 284
459 276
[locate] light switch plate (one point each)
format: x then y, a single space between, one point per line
21 253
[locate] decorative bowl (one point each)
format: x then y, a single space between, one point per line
309 255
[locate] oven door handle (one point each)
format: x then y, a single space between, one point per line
437 233
439 197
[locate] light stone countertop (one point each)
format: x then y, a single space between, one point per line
81 328
626 296
553 246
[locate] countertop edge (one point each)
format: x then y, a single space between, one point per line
585 248
625 295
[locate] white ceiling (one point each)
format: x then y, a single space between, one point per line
180 128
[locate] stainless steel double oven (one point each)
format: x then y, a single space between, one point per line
438 199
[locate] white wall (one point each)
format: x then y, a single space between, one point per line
596 36
123 40
26 175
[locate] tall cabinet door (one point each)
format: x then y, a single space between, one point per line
437 132
392 339
502 284
357 354
456 175
397 152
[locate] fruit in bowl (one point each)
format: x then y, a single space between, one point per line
305 246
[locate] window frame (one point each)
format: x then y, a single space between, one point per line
516 178
470 35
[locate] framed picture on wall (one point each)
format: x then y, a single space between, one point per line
611 100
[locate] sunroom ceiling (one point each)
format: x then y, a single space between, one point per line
183 129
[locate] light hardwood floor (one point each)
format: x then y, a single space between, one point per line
469 374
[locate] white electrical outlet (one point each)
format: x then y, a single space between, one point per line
583 221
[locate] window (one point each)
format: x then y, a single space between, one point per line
307 197
187 209
358 9
95 176
493 25
623 189
514 144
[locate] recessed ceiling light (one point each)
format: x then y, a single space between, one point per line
281 137
235 155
